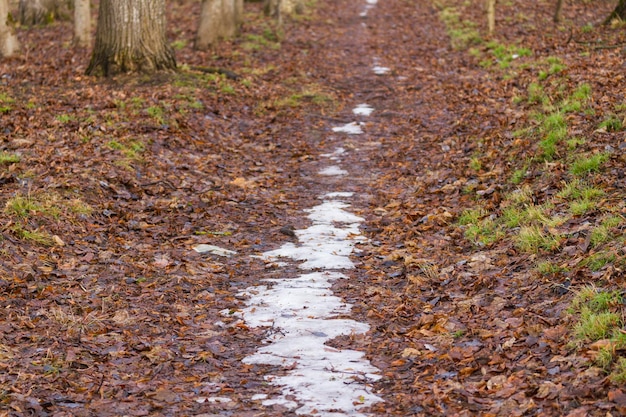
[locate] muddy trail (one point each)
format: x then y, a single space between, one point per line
291 240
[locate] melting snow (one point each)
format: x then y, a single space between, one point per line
216 250
324 381
353 128
335 155
333 170
378 70
363 110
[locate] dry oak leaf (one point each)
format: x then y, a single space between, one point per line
243 183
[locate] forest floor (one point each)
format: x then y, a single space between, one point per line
490 177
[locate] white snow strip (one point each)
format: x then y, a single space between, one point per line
378 70
333 170
321 380
353 128
213 400
371 1
335 155
216 250
336 195
324 245
362 110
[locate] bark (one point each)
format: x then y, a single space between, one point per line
618 13
130 37
239 13
557 11
218 19
35 12
8 40
280 8
491 15
82 23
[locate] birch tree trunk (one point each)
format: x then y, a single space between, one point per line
8 40
218 19
130 37
82 23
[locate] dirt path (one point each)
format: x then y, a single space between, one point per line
288 243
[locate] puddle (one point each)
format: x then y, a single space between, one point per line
303 311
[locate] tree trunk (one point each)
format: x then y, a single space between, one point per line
280 8
8 40
491 16
557 11
218 19
239 13
82 23
36 12
618 13
130 37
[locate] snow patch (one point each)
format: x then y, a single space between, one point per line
362 110
335 155
304 312
214 400
378 70
336 195
333 170
216 250
353 128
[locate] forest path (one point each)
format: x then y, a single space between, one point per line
159 231
302 311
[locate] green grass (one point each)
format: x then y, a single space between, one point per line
179 44
603 233
156 113
584 165
484 233
536 94
9 158
595 326
504 55
5 103
549 268
132 150
533 239
33 236
65 118
255 42
462 33
471 216
22 206
598 316
573 143
518 175
475 164
611 124
582 92
598 261
583 206
618 376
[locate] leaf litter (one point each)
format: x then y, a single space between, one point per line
107 310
